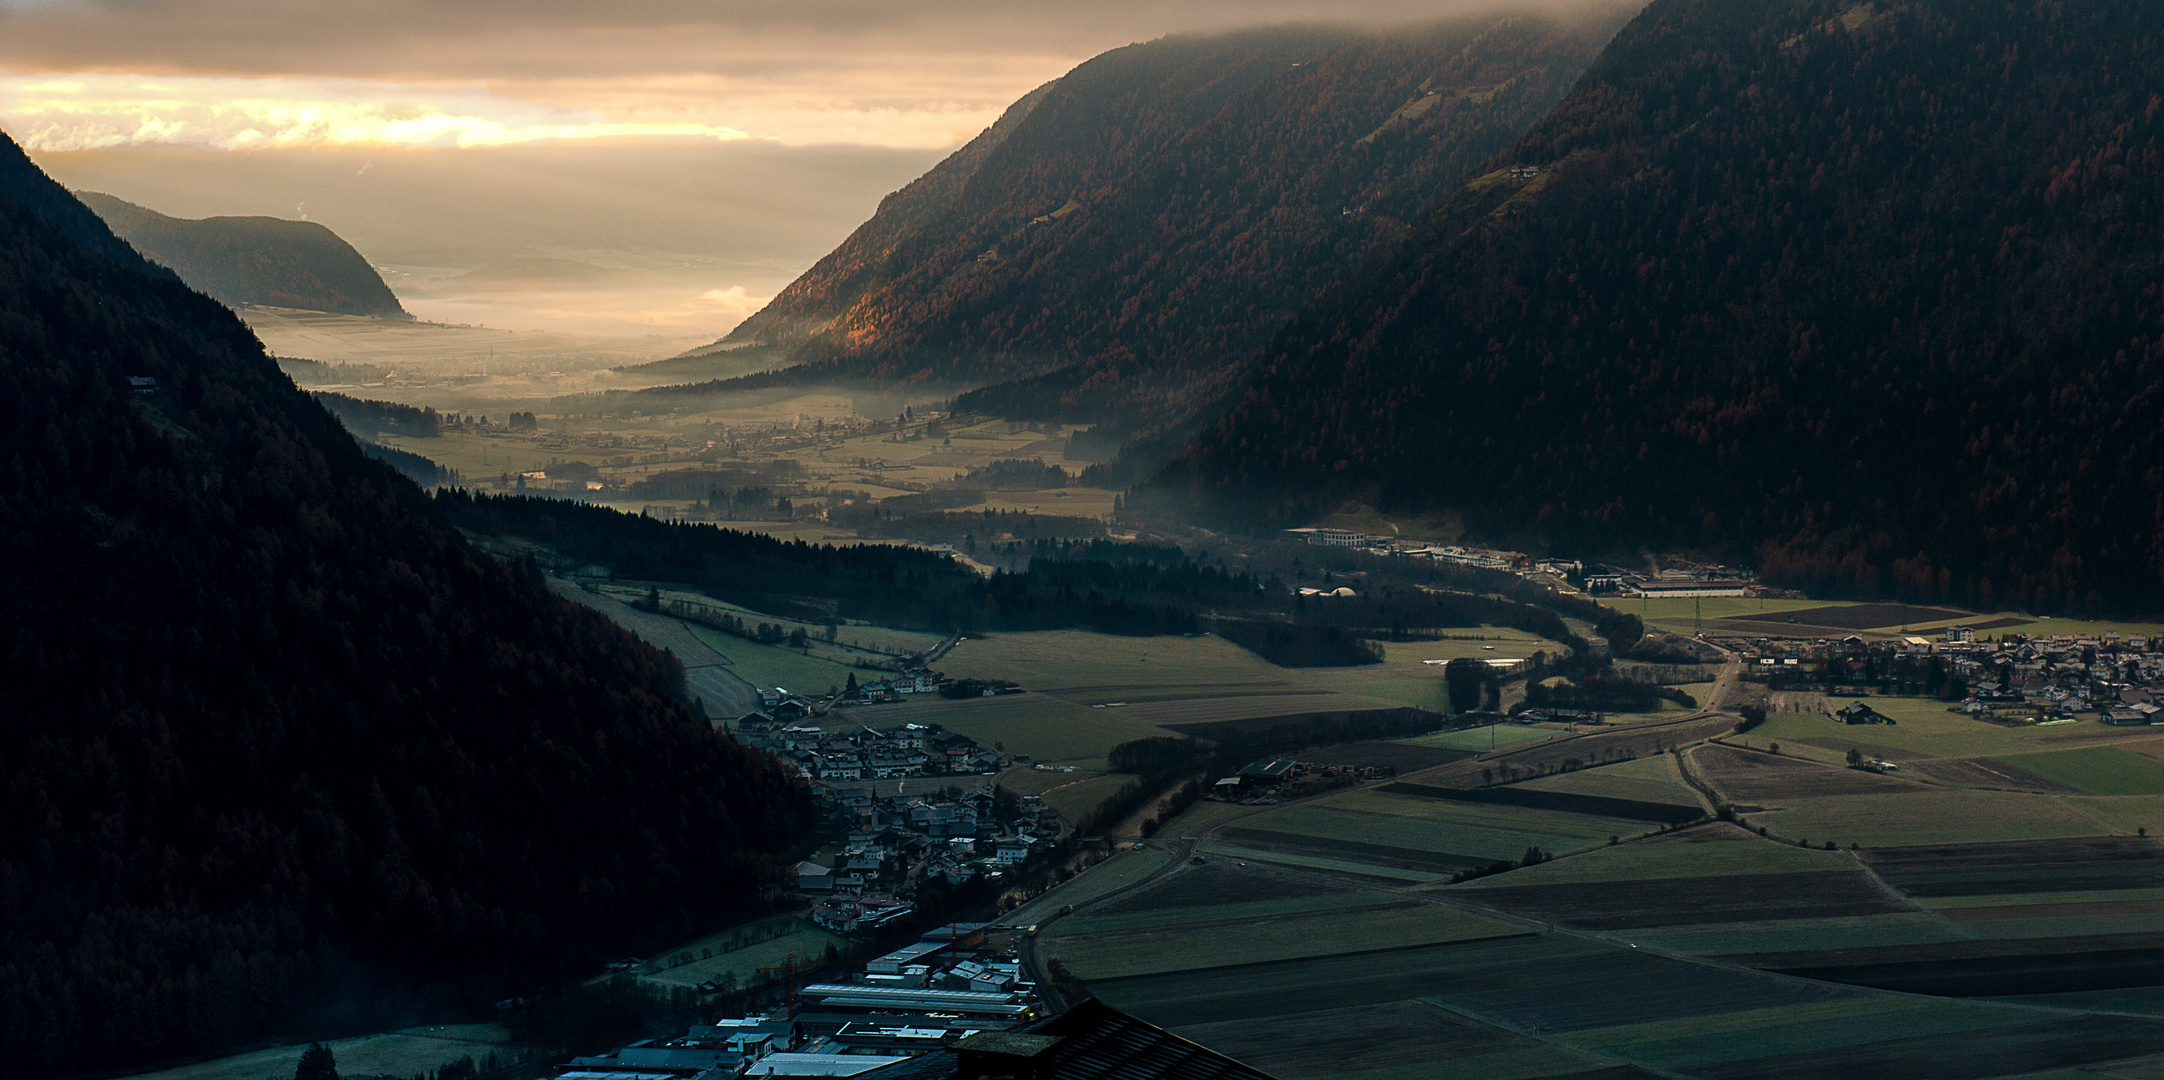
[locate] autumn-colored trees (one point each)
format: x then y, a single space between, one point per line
1869 296
1126 236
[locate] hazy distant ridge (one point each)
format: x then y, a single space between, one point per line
255 260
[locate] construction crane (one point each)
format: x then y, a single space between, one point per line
788 969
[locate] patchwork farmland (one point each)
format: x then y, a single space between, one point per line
1992 908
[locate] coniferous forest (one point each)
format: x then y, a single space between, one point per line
1123 233
279 751
1868 295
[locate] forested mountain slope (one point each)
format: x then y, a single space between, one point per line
255 260
279 750
1159 211
50 203
1870 294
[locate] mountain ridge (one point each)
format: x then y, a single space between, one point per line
1867 297
1160 210
282 750
254 260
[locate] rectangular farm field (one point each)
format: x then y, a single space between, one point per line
1619 905
1762 939
1399 1038
1122 870
1264 941
1707 851
1082 925
1041 726
1482 739
1738 1044
2095 770
2002 1048
1294 986
2027 868
1097 665
1646 780
1943 816
1744 777
1475 831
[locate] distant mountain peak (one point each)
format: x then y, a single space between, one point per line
254 260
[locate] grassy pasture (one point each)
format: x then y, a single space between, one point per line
807 943
1670 858
1092 668
1669 609
1369 869
1123 869
1383 1042
1941 816
1075 801
852 641
401 1053
1666 992
2095 770
768 666
1952 1044
1630 905
2064 923
1748 1034
1216 710
2052 868
1801 935
1403 757
1290 938
1039 725
1481 739
1653 779
1212 995
1469 829
1746 778
1405 678
1204 815
1081 925
1023 780
1921 729
2124 814
2016 900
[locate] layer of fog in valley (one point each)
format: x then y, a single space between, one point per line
667 241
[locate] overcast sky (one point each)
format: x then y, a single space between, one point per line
127 96
83 74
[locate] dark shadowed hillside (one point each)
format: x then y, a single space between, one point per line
1869 294
279 751
255 260
1128 232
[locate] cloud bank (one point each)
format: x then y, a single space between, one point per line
100 112
240 74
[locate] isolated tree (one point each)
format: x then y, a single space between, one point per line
317 1063
1622 629
1464 677
1855 756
